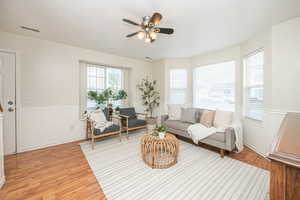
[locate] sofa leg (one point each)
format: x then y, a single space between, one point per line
120 134
222 153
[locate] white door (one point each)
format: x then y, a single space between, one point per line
8 100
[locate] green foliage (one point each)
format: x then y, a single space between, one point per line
150 96
120 94
107 96
161 128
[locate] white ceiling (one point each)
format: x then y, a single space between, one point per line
200 25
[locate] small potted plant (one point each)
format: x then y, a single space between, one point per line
161 130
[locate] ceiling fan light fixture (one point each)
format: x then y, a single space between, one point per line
148 28
141 35
153 35
147 38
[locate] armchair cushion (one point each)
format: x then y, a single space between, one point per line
109 129
128 112
136 123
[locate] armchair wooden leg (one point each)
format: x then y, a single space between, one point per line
127 128
222 153
120 135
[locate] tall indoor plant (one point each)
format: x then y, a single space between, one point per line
150 95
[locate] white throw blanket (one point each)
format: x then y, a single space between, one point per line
198 132
100 120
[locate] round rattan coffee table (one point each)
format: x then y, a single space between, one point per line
160 153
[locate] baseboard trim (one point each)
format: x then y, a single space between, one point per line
32 148
2 181
255 150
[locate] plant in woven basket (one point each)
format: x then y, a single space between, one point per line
150 96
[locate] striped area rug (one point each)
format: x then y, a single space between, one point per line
199 174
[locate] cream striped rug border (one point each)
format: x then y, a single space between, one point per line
199 174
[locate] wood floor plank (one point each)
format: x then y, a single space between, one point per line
62 172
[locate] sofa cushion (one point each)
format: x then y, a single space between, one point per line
176 124
136 123
128 112
207 118
188 115
174 111
223 119
109 129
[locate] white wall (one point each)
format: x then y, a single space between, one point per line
159 73
2 176
286 65
49 88
281 45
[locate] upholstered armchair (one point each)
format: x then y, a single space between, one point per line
114 129
130 120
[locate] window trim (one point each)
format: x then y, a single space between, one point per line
246 87
216 63
170 89
83 65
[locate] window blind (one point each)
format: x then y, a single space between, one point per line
178 86
214 86
254 85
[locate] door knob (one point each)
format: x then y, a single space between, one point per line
10 109
10 102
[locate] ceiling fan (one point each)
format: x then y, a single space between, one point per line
149 29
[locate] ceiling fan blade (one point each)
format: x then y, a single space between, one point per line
132 34
155 19
166 30
131 22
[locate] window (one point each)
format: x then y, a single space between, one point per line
214 86
254 85
178 86
99 78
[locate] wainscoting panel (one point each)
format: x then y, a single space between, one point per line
259 135
47 126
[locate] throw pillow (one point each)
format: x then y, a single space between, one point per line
207 118
223 119
188 115
98 116
174 111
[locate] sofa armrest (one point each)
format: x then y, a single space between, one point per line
164 118
230 138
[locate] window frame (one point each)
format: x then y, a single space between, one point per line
247 86
235 82
83 86
185 89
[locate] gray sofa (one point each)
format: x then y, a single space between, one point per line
222 140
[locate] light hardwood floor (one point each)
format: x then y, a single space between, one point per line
62 172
